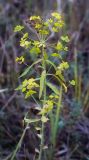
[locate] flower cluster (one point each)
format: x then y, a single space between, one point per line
29 87
47 107
20 60
62 67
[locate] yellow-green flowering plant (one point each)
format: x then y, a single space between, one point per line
50 102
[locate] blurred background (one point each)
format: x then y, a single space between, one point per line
13 107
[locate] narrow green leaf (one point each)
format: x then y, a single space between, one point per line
28 69
39 136
31 120
60 80
72 82
18 28
42 80
53 88
52 64
55 54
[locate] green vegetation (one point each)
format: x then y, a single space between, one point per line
44 80
50 103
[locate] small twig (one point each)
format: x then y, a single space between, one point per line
9 100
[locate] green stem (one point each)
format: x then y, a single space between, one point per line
79 87
42 141
76 73
55 128
51 138
19 143
44 99
57 118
